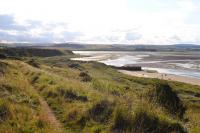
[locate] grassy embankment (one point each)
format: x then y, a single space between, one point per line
92 97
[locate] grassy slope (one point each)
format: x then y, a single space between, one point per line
19 103
76 103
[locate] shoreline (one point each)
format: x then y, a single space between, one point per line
169 77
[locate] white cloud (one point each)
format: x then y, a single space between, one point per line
106 21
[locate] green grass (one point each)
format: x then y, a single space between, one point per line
20 110
143 121
92 97
163 94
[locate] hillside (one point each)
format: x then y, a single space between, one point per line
55 94
109 47
32 52
124 47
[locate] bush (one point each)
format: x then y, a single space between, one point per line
167 98
5 112
101 111
85 77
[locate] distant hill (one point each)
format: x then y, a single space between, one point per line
29 52
124 47
186 46
111 47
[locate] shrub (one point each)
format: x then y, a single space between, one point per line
5 112
85 77
101 111
167 98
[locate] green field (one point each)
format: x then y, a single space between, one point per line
89 97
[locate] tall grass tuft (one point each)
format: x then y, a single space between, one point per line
142 122
5 112
101 111
85 77
163 94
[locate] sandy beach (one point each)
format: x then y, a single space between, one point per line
171 77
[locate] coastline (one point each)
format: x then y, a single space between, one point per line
169 77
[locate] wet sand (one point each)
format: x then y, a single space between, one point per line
170 77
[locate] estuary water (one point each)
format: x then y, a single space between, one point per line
162 62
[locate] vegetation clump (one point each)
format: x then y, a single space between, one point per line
163 94
70 94
101 111
52 94
85 77
41 123
82 121
142 122
145 122
34 78
5 112
33 63
122 121
75 66
3 67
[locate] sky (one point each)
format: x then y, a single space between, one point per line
100 21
